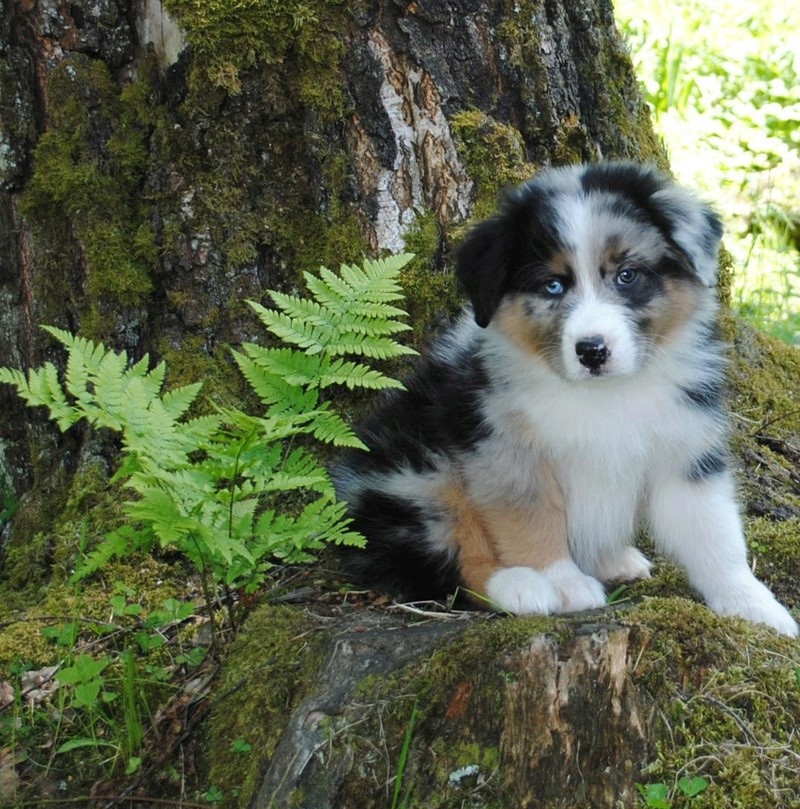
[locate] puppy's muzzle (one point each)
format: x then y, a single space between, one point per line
592 353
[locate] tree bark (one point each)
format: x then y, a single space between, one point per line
154 175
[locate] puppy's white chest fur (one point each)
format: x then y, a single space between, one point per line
599 446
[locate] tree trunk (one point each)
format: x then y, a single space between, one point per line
161 163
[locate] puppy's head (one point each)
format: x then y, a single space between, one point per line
590 267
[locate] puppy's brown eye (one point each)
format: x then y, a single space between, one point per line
626 276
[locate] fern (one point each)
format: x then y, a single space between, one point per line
215 488
351 314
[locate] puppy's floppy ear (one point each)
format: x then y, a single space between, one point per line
483 265
694 228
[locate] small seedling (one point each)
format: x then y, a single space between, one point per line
692 786
617 596
240 746
656 796
397 801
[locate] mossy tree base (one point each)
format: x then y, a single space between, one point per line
512 712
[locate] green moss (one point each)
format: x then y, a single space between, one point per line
87 183
261 193
223 383
775 551
27 613
29 549
765 376
605 78
22 641
320 240
725 277
493 154
429 287
765 400
265 671
302 39
727 692
667 580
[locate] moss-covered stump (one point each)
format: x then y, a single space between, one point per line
474 710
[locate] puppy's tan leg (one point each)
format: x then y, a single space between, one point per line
476 555
518 558
491 582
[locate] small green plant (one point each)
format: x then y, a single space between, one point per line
101 700
657 796
233 492
618 595
692 786
241 746
400 801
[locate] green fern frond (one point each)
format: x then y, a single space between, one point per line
273 390
293 367
355 375
233 491
76 378
301 308
41 388
302 370
115 545
351 312
312 338
177 402
330 428
361 345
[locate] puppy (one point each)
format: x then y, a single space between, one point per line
577 399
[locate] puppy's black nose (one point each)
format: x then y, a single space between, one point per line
592 352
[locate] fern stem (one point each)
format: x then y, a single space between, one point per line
208 592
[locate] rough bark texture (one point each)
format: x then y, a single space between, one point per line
161 163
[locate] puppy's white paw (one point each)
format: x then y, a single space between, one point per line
627 565
523 591
576 590
748 598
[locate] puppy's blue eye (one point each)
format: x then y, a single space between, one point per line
554 287
626 276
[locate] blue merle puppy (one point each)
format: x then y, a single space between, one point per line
578 397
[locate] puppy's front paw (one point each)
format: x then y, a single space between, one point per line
628 565
748 598
523 591
576 590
